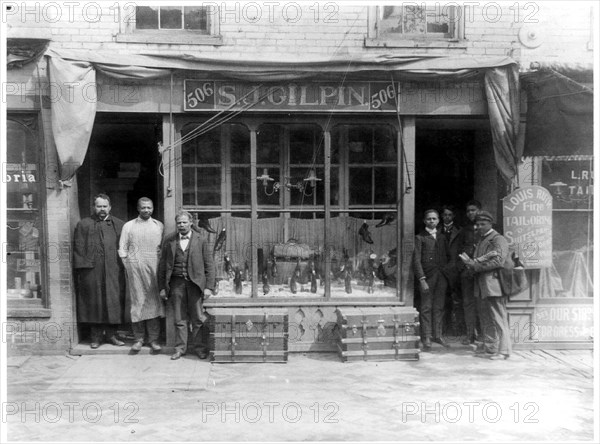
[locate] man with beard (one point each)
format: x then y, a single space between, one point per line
99 270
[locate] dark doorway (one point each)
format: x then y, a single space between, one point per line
123 162
444 171
444 176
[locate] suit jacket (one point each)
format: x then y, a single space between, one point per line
453 245
200 266
85 240
487 281
430 254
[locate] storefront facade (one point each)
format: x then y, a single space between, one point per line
318 180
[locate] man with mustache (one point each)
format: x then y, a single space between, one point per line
99 273
186 276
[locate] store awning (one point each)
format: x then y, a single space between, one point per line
74 71
560 113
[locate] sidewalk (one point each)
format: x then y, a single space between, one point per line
446 396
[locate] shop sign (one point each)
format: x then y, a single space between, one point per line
527 217
207 95
570 182
563 322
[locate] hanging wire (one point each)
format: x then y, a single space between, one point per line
400 130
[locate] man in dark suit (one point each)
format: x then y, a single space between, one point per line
454 312
100 274
186 275
430 262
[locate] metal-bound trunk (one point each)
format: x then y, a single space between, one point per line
378 333
248 334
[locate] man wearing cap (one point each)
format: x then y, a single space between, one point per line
490 254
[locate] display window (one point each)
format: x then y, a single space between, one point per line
302 247
24 201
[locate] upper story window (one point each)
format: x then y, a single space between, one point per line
189 25
414 25
172 17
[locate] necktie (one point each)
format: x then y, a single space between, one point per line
184 237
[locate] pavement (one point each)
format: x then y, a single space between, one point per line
448 395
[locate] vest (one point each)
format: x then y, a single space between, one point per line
181 260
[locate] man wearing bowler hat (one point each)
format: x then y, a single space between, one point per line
490 254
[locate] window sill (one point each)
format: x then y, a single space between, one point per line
414 43
178 38
28 312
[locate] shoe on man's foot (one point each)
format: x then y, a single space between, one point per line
499 356
114 341
155 347
442 342
136 347
427 344
94 345
178 354
202 353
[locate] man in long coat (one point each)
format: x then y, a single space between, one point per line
101 282
139 248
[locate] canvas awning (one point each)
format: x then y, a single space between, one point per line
560 112
74 71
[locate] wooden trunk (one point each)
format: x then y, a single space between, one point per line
248 334
377 333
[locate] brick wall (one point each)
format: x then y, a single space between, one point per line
310 29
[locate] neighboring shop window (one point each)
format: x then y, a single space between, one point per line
413 22
570 181
24 202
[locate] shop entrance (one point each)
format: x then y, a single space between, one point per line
444 171
123 162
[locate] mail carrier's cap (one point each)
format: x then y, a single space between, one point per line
484 215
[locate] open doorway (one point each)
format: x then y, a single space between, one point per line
444 171
122 161
444 168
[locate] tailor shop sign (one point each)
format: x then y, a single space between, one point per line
527 217
417 97
570 181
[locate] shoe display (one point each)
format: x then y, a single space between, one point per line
137 346
499 356
114 341
442 342
177 355
94 345
155 347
